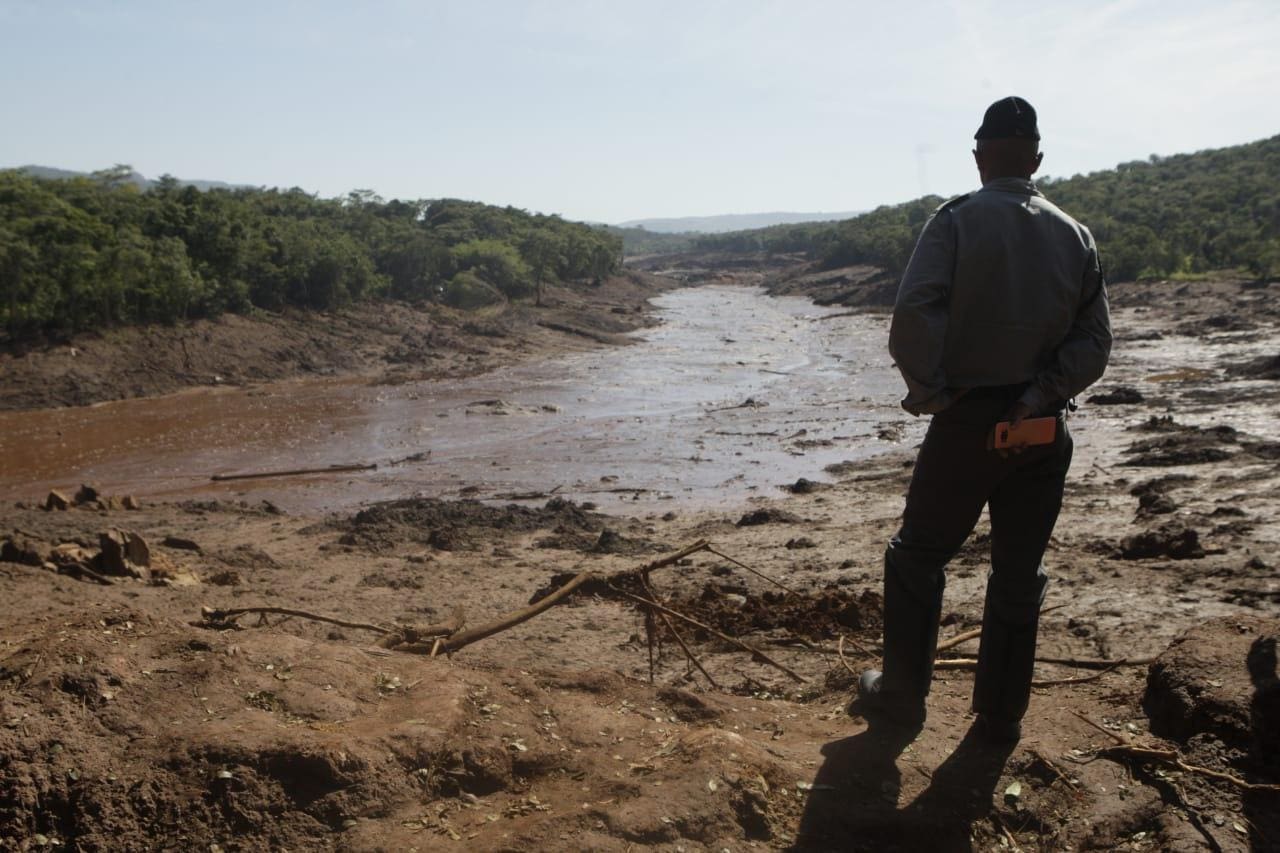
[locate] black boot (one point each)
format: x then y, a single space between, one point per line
1006 661
912 608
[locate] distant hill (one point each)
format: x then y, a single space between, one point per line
1180 215
730 222
50 173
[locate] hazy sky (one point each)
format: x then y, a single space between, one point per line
619 110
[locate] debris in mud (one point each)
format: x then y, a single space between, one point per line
1153 495
1169 540
1265 367
803 486
1180 444
1122 395
768 515
457 524
820 615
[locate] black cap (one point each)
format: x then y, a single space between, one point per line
1009 118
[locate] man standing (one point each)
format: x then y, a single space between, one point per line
1001 316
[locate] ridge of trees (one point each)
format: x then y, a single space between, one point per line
97 252
1164 216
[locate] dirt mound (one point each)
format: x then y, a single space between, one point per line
1181 444
820 615
768 515
1171 540
1122 395
457 525
1219 678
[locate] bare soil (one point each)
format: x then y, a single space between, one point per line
128 723
390 341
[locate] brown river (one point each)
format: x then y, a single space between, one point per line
734 395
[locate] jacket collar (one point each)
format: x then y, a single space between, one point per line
1011 185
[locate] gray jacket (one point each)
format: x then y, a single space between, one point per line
1003 288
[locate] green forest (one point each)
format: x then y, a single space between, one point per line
1160 217
97 251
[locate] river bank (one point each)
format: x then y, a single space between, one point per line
386 341
129 721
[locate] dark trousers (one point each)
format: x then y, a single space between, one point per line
955 476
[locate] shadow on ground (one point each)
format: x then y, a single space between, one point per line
853 804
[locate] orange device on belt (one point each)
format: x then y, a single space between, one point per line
1029 433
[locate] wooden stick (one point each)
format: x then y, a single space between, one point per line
1119 739
466 638
1170 757
407 638
1104 665
210 614
1053 682
974 633
692 657
840 652
962 637
756 653
758 574
293 472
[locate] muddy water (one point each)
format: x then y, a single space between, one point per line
659 422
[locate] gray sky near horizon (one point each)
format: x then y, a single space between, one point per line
609 111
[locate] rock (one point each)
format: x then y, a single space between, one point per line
124 553
85 495
111 502
1219 678
57 500
1169 540
21 551
1117 396
130 502
180 543
801 542
803 487
767 516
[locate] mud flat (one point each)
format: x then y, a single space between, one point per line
128 722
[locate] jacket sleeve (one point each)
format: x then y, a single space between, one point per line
920 315
1081 358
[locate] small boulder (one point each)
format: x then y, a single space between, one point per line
1122 395
57 501
130 502
767 516
124 553
21 551
86 495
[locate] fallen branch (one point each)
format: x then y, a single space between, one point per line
840 653
1104 665
413 638
975 633
224 618
466 638
755 653
1054 682
1170 757
296 472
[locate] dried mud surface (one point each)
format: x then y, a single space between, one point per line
128 724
